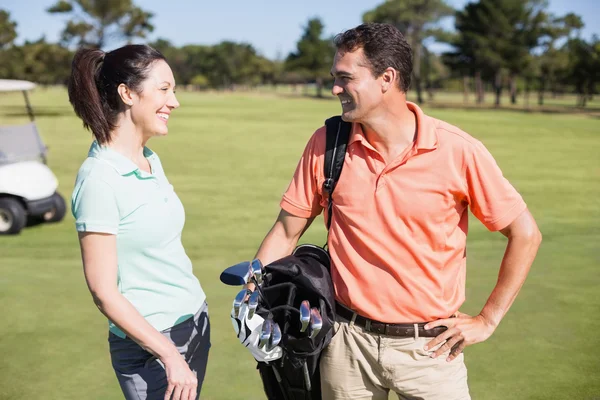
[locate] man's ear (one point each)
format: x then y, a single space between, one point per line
125 94
388 79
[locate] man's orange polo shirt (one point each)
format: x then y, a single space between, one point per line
398 233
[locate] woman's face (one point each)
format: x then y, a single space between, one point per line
152 106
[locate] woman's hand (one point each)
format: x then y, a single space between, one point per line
182 381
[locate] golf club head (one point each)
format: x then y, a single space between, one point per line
256 267
238 301
316 322
265 334
275 337
253 303
236 275
304 315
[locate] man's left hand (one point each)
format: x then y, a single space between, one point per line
463 330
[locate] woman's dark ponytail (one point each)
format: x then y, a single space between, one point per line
84 94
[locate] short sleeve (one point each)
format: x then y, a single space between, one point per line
94 206
303 196
492 199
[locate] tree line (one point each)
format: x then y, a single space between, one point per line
506 45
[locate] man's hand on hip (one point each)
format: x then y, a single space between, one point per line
463 330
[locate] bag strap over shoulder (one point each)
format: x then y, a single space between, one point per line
337 137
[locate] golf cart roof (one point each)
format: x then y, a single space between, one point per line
12 85
20 142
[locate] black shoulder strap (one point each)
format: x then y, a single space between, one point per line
338 134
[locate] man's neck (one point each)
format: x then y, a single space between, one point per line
391 130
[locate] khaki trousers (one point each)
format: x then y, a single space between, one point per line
363 365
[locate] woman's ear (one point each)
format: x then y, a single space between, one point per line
125 94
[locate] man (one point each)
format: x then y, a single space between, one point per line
398 233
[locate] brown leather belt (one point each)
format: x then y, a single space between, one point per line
400 330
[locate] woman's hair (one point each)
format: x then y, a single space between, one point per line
95 77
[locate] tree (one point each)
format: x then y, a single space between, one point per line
199 81
233 64
8 30
417 20
314 55
529 23
470 55
177 59
434 71
268 71
39 61
496 37
584 64
553 61
94 23
225 65
572 24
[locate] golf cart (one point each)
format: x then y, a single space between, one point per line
27 186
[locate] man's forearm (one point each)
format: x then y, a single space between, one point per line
518 257
281 239
276 245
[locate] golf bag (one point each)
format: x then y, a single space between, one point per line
304 275
301 276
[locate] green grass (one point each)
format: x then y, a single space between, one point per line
230 157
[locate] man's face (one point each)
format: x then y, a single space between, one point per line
358 90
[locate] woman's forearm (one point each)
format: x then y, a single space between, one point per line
122 313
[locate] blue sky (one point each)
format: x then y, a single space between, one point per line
271 26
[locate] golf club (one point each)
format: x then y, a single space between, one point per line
306 376
316 322
238 274
275 337
256 267
244 273
304 315
265 334
252 303
238 301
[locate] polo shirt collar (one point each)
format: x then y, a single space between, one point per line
426 131
122 164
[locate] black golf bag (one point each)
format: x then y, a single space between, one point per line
303 275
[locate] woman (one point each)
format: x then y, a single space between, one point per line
130 220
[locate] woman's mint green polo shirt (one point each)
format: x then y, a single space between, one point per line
112 195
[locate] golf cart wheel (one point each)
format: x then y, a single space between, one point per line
12 216
58 211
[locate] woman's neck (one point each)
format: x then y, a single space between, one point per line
128 141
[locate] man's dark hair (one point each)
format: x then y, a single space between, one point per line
384 46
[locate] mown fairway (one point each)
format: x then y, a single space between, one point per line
230 157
